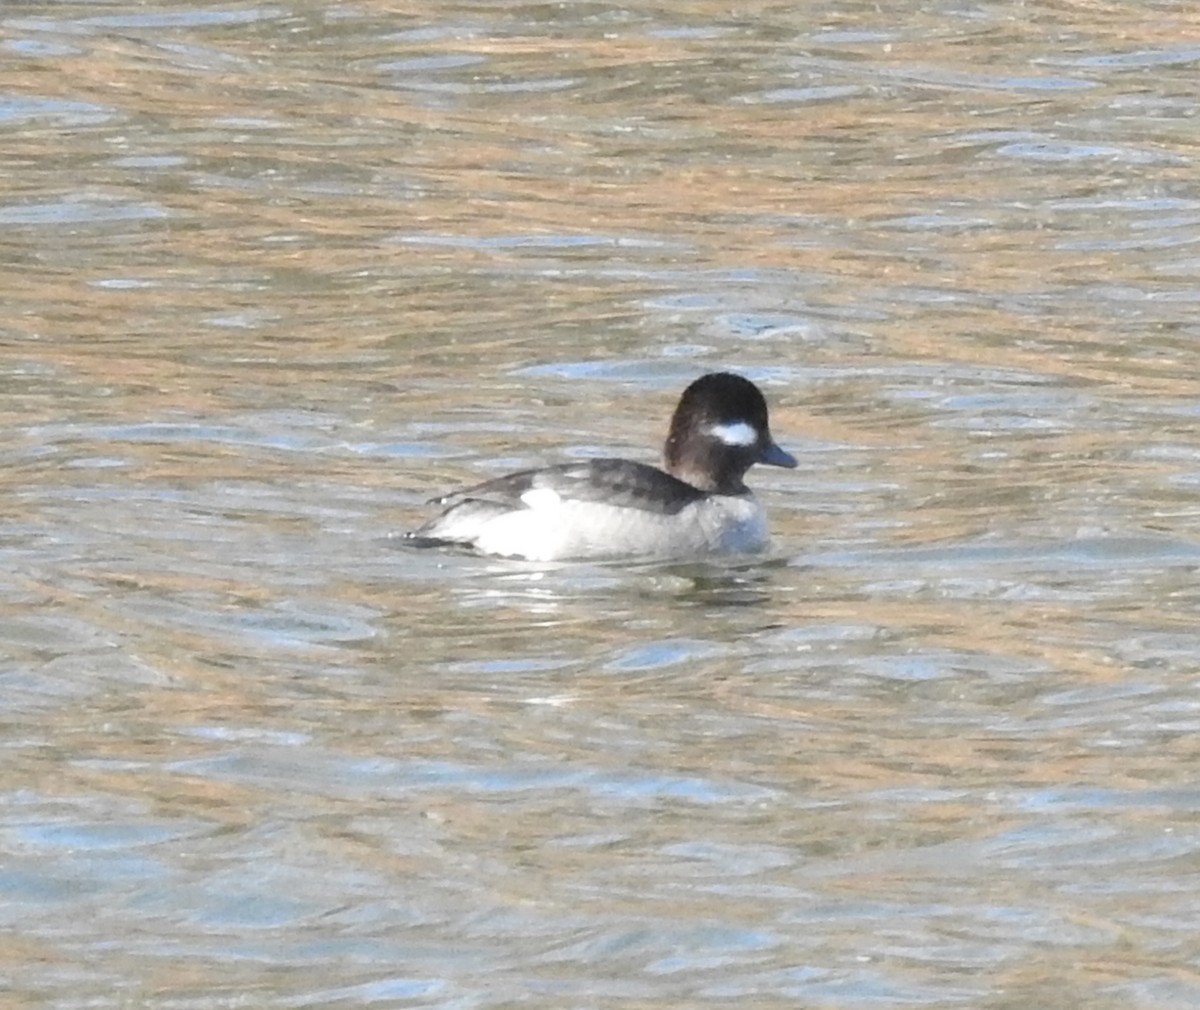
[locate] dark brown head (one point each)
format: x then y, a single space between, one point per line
718 431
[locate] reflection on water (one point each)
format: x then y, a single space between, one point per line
275 274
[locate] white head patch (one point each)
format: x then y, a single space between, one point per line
735 433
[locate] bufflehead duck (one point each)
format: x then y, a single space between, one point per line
609 508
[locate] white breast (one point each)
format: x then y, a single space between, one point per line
551 528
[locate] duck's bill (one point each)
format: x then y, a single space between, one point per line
774 456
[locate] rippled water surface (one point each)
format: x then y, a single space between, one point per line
273 274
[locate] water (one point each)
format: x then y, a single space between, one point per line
274 274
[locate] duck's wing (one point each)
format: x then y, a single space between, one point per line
621 483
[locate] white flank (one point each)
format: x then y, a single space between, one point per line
541 498
735 433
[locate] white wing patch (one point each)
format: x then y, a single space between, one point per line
735 433
541 498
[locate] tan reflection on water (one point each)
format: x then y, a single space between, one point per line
281 279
